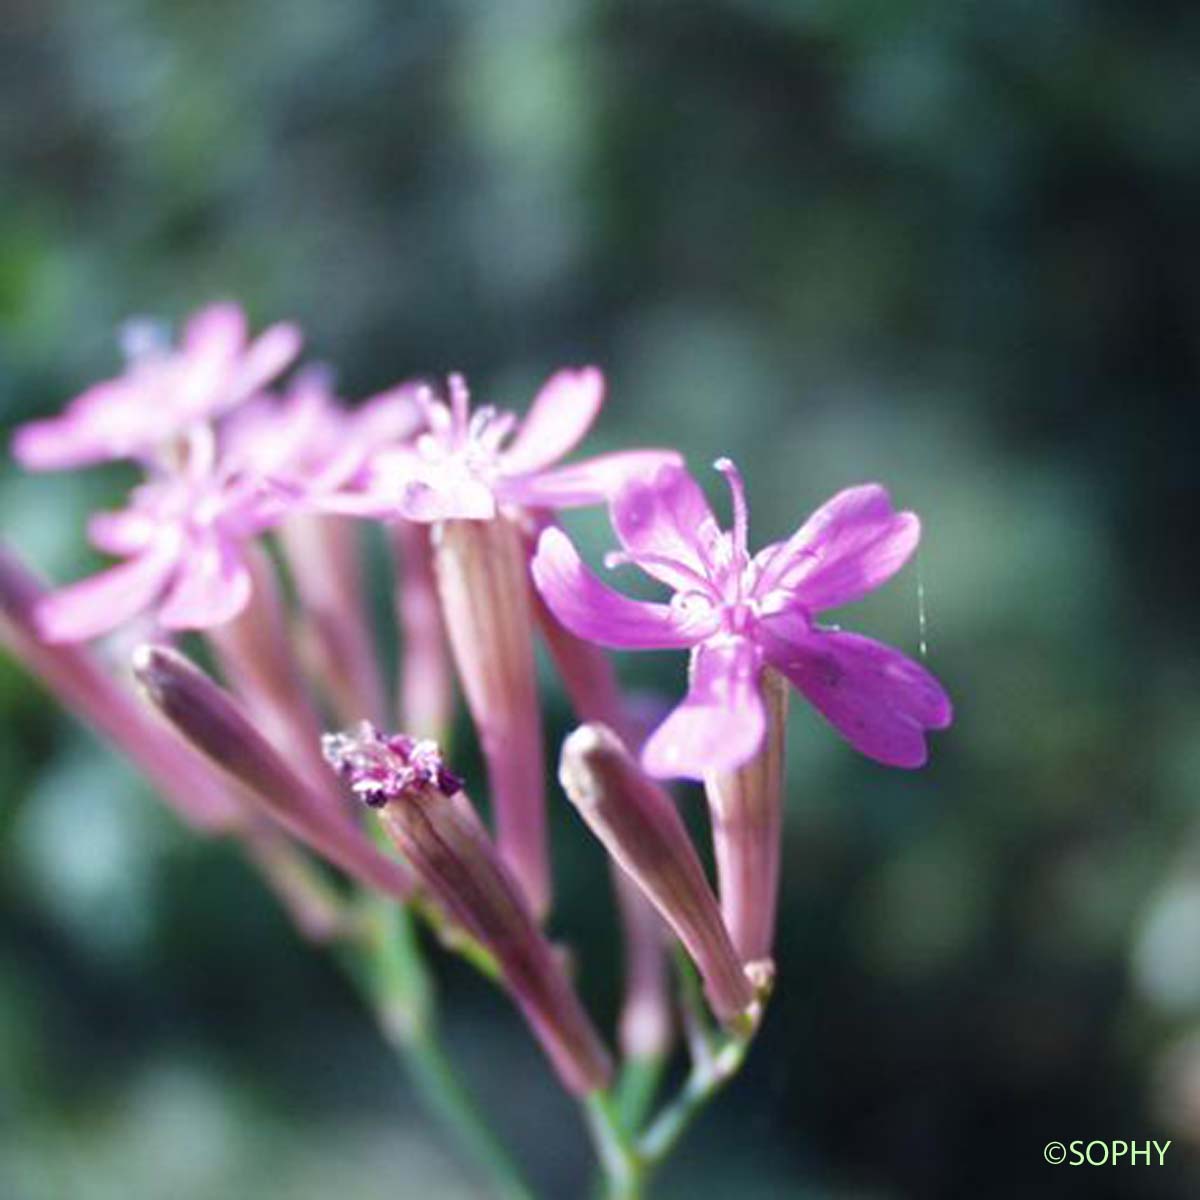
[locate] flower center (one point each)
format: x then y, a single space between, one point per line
458 438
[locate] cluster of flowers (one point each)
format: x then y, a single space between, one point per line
469 498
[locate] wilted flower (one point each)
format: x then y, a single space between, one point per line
739 613
379 767
427 814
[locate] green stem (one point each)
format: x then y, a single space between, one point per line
624 1172
400 989
703 1082
636 1088
717 1056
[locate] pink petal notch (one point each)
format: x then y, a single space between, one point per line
880 701
213 585
850 546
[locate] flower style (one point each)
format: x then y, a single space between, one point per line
739 614
162 393
465 464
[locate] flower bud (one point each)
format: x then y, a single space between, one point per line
640 827
432 823
746 807
212 721
484 589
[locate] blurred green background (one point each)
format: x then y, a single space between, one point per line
950 247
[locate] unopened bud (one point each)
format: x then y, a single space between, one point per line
212 721
640 827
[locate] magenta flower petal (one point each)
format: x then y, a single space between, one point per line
851 545
591 610
561 414
105 421
212 586
720 723
388 416
123 533
593 481
269 355
164 392
100 603
879 700
667 526
216 329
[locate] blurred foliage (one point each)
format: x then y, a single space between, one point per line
949 247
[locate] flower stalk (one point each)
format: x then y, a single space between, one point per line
230 451
480 570
75 676
257 657
323 554
426 679
746 807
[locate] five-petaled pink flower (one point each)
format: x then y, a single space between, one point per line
163 393
739 614
183 536
465 464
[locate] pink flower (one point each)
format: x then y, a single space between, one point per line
163 392
182 537
467 463
310 442
738 614
184 532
